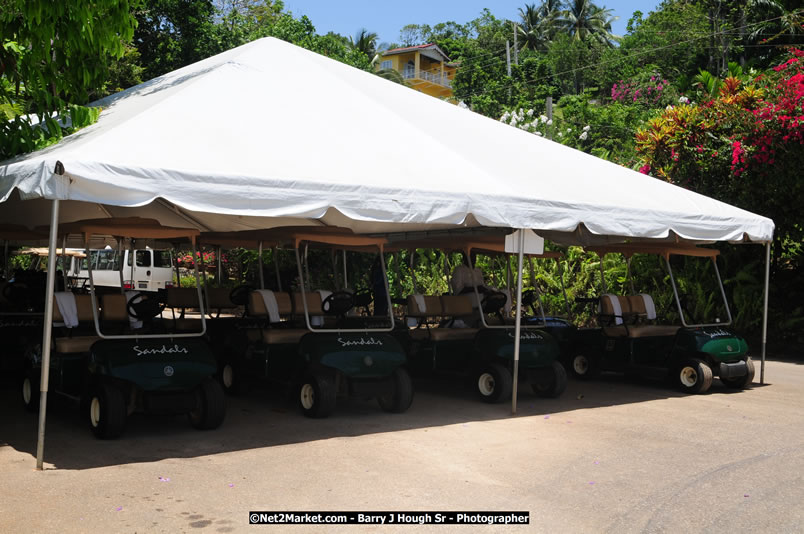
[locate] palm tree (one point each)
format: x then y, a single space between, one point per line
366 42
586 21
539 24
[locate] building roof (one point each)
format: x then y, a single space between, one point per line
429 46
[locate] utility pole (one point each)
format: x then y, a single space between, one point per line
549 105
508 65
516 47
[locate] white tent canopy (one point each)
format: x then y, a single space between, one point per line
272 130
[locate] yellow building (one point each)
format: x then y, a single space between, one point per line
425 68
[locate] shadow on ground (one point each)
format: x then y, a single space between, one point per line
265 418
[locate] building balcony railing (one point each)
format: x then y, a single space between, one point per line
434 77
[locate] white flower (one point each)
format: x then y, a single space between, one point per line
538 133
549 122
668 108
583 136
586 128
530 113
505 116
560 134
543 118
683 100
569 130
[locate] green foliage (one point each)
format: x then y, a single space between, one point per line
54 54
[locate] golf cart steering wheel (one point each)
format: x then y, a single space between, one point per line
239 295
494 301
338 303
148 307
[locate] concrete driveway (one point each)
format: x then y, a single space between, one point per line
608 456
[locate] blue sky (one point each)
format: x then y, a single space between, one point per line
387 18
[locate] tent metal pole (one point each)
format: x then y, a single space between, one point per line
46 333
275 257
518 327
765 312
6 265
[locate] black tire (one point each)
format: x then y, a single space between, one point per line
694 376
317 395
233 379
30 390
552 382
583 366
401 398
494 383
106 411
210 406
741 382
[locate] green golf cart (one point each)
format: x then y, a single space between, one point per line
114 353
632 340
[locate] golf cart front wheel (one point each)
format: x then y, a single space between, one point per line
494 383
233 379
552 381
317 395
107 411
695 376
741 382
400 399
30 390
583 366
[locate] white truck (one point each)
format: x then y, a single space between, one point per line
151 270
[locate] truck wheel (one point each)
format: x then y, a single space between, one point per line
107 411
741 382
583 366
30 390
317 395
552 382
402 396
233 379
494 383
695 376
210 406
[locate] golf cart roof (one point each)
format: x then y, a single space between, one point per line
18 232
43 251
488 244
130 227
293 236
664 250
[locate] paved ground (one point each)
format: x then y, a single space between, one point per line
609 456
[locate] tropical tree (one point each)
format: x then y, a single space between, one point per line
54 56
586 21
366 42
539 24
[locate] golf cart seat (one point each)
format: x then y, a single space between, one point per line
621 316
218 299
444 307
75 344
276 334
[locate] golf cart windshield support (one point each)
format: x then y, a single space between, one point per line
96 318
302 266
678 300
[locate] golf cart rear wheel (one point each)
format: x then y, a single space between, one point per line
695 376
210 406
552 382
741 382
583 366
400 399
317 395
106 408
30 390
494 383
